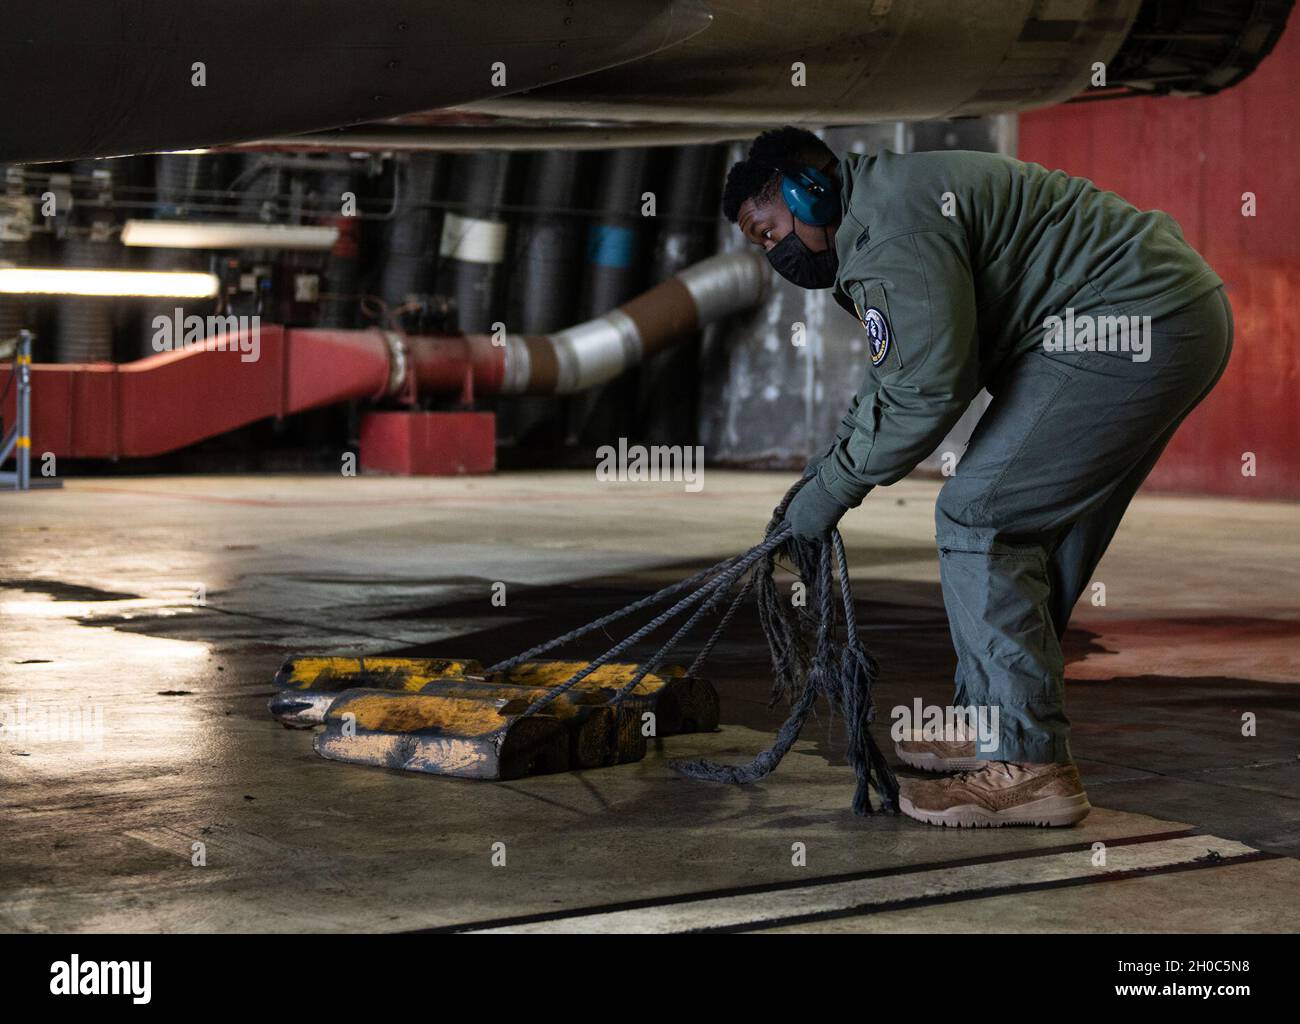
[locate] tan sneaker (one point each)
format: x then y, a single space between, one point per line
999 793
937 755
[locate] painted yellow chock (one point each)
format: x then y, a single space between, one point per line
445 716
471 739
309 685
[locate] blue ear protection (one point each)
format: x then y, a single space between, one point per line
810 195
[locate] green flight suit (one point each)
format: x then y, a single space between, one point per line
953 262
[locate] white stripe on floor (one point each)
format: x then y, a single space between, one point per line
754 909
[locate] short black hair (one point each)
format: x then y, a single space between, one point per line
758 176
747 180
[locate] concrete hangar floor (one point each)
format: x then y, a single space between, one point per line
1201 824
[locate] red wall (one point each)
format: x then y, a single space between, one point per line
1193 158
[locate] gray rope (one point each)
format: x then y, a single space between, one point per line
774 524
581 631
721 627
842 564
720 591
726 579
858 672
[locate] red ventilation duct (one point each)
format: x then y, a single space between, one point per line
168 401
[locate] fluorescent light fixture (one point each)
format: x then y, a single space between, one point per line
188 234
72 281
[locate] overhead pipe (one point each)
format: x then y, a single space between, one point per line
84 327
339 299
667 402
184 181
181 182
175 399
545 253
473 246
255 188
614 238
545 274
409 259
614 271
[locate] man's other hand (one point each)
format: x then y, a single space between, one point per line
813 512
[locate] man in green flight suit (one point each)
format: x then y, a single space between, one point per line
1095 327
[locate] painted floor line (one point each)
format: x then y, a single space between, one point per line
765 887
751 911
1201 864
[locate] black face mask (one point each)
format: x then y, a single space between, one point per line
798 264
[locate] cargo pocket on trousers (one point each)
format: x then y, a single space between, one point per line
1023 399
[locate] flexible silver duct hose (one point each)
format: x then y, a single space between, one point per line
726 284
597 351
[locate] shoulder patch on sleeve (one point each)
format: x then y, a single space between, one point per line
873 313
877 328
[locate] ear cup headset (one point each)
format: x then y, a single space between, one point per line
809 194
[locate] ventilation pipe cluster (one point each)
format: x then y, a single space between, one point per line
168 401
473 243
84 331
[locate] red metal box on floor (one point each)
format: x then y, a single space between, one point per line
428 443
